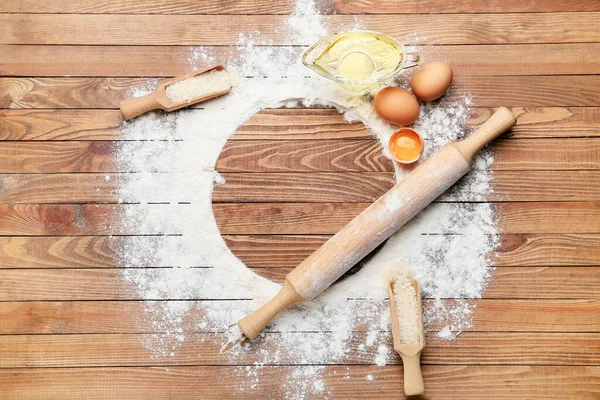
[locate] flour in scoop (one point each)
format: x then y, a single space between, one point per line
200 85
407 310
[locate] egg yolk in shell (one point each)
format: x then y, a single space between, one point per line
406 145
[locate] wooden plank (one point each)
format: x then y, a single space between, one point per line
271 218
60 188
109 284
472 348
463 7
317 187
302 155
153 7
65 92
54 157
64 252
287 6
510 91
294 156
61 219
514 250
543 250
274 124
240 156
543 186
544 282
83 29
328 124
545 154
60 125
367 155
45 317
274 251
442 382
354 187
530 90
534 217
328 218
167 61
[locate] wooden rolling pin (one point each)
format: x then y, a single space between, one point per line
378 222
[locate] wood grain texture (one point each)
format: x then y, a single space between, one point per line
544 186
330 187
273 251
287 6
315 187
65 92
367 155
367 187
546 154
275 124
541 250
150 7
64 251
71 328
473 348
304 156
316 124
60 219
167 61
56 157
515 250
328 218
463 7
442 382
59 125
510 91
109 284
48 317
293 156
273 218
59 188
225 29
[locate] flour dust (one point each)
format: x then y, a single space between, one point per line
186 259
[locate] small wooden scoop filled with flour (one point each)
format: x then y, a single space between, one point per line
407 328
181 91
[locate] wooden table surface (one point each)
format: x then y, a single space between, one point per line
65 314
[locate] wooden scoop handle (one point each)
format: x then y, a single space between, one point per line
131 108
413 379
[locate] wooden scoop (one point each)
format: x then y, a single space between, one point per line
131 108
410 353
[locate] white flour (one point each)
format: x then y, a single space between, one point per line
200 85
446 244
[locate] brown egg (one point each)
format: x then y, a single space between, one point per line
397 106
432 81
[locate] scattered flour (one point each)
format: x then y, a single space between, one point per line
169 201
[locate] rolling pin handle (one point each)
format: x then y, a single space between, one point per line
500 121
256 322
